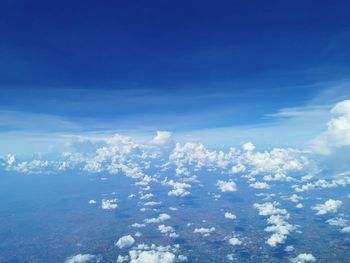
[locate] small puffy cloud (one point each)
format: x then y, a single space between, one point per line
125 241
162 217
337 221
168 231
226 186
260 185
229 215
239 168
109 204
165 229
122 259
300 205
204 231
330 206
162 137
346 229
234 241
295 198
302 258
92 202
179 188
249 147
178 192
268 209
83 258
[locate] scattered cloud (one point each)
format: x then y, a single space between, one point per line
330 206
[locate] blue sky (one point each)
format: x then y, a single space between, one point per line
206 70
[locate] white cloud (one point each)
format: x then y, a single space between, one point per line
268 209
330 206
229 215
226 186
109 204
346 229
302 258
249 147
165 229
151 256
234 241
179 188
204 231
300 205
155 254
337 221
122 259
239 168
162 137
168 231
260 185
83 258
277 222
125 241
162 217
337 134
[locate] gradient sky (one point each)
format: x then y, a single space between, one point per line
206 70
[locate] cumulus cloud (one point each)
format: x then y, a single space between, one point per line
337 221
226 186
260 185
179 188
168 231
155 254
346 229
249 147
151 256
109 204
337 134
277 222
234 241
268 209
162 137
125 241
302 258
330 206
122 259
204 231
162 217
229 215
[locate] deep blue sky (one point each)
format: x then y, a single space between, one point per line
177 65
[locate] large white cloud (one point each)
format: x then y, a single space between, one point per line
337 134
